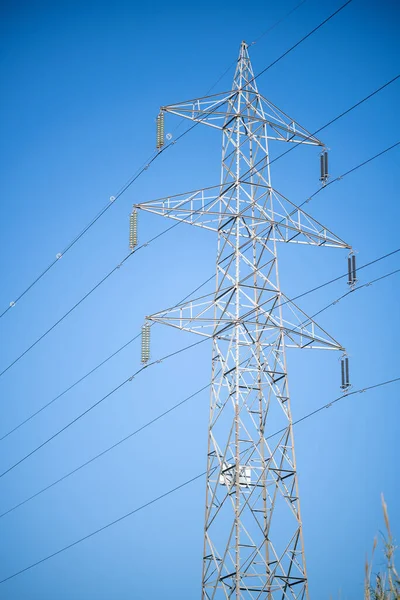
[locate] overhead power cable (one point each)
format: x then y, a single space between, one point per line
278 22
86 537
100 454
160 416
65 315
103 362
69 388
98 284
356 289
147 164
184 484
362 164
81 234
85 412
335 401
303 39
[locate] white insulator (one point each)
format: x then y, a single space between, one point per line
145 343
160 130
133 230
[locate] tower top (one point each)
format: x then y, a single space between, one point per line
243 50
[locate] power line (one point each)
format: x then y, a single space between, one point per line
335 401
365 162
39 339
278 22
103 362
356 105
170 410
88 462
81 234
359 287
302 40
132 512
184 484
98 284
85 412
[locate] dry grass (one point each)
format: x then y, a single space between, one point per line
384 585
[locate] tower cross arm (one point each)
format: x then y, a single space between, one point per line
213 317
264 213
253 110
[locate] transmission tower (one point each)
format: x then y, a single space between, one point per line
253 543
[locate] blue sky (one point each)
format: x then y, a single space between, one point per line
82 84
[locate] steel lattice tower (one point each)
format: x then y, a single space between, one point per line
253 545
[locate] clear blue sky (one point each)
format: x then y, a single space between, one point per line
81 86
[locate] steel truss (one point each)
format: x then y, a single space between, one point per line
253 545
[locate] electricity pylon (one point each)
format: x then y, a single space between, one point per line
253 544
